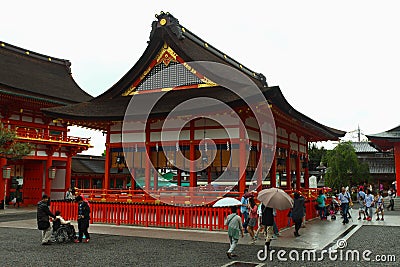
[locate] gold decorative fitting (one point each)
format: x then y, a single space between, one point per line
163 22
27 52
254 74
225 57
241 66
183 29
49 58
2 44
205 44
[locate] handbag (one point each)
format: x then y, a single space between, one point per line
43 225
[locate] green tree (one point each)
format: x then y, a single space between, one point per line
315 156
11 149
343 167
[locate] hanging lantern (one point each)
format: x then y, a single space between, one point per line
52 172
6 172
227 146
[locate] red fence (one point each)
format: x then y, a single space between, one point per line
195 217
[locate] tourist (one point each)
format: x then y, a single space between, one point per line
360 199
244 209
83 219
344 199
261 227
379 205
268 221
297 212
252 219
321 205
275 226
43 219
69 195
369 202
391 195
235 227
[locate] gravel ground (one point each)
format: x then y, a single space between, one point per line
21 247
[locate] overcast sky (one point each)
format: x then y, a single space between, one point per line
336 62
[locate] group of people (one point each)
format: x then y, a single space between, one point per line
264 216
44 214
368 200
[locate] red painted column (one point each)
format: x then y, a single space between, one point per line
298 172
273 172
288 170
49 163
147 160
397 166
68 170
106 184
179 178
306 174
3 162
192 157
242 158
260 168
155 180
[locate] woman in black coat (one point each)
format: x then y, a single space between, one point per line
297 212
267 219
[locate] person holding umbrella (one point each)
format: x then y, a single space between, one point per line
297 212
267 220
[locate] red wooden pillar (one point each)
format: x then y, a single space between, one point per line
242 158
260 168
49 163
273 172
298 172
179 178
106 184
155 180
397 166
288 170
306 174
3 162
68 171
147 171
192 157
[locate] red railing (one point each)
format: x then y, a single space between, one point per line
161 215
28 133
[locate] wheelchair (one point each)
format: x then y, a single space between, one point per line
63 233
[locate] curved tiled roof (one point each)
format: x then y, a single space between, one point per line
27 73
111 105
363 147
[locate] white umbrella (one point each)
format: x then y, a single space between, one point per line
227 202
275 198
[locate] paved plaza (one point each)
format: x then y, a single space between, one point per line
113 245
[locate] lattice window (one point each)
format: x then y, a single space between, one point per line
173 75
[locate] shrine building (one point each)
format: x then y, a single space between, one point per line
143 146
30 81
389 141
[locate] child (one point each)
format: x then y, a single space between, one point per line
379 205
235 227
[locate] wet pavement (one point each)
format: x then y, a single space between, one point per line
113 245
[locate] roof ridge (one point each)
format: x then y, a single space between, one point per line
167 19
36 55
